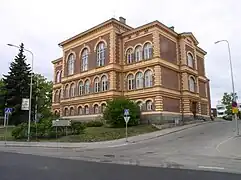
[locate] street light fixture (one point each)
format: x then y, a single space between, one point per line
231 69
31 88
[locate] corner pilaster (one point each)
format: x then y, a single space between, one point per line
156 43
159 103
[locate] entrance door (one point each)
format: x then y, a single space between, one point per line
194 108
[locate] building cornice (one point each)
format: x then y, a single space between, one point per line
57 60
104 24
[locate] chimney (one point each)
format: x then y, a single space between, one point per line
122 20
172 28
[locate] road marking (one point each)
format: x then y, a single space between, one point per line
211 167
217 147
118 145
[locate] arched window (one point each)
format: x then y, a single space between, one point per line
190 60
129 56
58 76
71 111
139 103
101 54
84 57
148 78
87 86
130 81
80 110
56 113
149 105
71 64
66 111
96 85
192 84
60 95
56 96
81 88
96 109
66 91
147 51
138 53
103 106
72 90
86 109
139 80
104 83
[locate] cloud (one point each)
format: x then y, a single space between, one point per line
42 24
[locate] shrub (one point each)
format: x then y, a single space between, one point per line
94 124
77 127
114 112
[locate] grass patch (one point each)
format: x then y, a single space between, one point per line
94 134
8 134
91 134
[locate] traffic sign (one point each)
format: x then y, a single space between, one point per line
235 110
127 118
8 110
25 104
234 104
126 112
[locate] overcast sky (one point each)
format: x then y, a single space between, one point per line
42 24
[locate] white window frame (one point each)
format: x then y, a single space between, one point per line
139 80
138 53
190 60
96 109
66 92
58 76
101 54
87 87
104 83
80 110
71 62
130 81
129 56
149 105
84 57
81 88
191 84
147 51
103 106
148 78
86 109
72 90
96 85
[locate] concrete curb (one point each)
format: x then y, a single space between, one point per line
104 144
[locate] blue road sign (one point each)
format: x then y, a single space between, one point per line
126 112
8 110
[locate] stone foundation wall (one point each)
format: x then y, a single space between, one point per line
167 118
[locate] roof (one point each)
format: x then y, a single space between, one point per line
57 60
112 20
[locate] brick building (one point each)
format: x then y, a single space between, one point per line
153 65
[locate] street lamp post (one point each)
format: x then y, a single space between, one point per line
231 70
31 88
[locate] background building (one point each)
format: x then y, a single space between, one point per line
161 70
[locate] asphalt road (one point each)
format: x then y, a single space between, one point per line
29 167
211 147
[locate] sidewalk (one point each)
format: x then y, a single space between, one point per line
103 144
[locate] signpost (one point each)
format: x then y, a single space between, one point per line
25 104
60 123
235 112
7 112
126 118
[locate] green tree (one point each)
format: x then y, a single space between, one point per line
227 101
114 112
17 83
43 94
2 97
